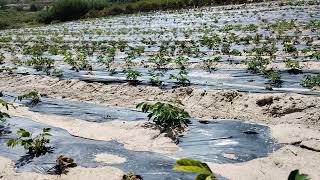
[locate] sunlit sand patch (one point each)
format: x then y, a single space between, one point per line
110 159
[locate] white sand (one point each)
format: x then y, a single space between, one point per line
110 159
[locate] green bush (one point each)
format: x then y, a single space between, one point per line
65 10
34 7
4 24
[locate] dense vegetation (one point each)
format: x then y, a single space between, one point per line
16 19
64 10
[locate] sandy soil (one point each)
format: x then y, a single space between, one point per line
294 119
7 172
277 108
301 151
110 159
276 166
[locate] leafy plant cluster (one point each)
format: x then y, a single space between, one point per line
6 105
259 65
40 63
34 97
166 116
311 81
34 145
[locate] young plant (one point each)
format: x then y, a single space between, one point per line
57 73
166 116
180 61
69 59
160 60
210 64
132 75
7 69
131 176
83 63
315 55
106 61
273 76
155 78
181 78
311 81
34 97
194 166
40 63
293 66
6 105
62 165
290 48
257 64
35 146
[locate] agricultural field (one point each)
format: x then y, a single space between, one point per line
225 92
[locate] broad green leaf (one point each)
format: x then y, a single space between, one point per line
202 177
191 162
192 169
295 175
